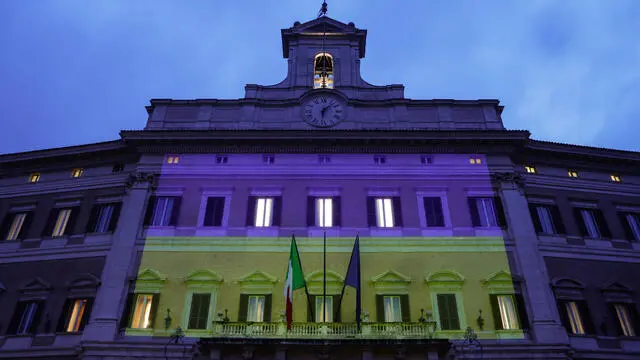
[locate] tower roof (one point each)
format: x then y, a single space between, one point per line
320 26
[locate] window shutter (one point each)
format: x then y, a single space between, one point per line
502 221
6 225
371 211
495 309
448 311
522 311
277 211
155 301
430 211
585 316
473 210
51 222
148 217
534 217
219 211
26 226
380 308
558 224
311 211
336 310
243 308
71 224
267 308
251 212
15 318
35 323
199 312
635 317
214 211
64 315
312 299
564 316
616 322
397 212
125 319
87 314
404 308
93 218
208 216
580 222
175 212
602 224
115 216
625 225
337 211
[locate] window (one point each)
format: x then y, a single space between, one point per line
62 221
268 159
214 211
631 223
323 71
142 312
26 317
448 312
426 160
77 172
392 309
573 174
433 211
255 310
384 212
530 169
163 211
327 310
475 161
324 159
546 219
199 312
15 225
264 212
505 312
379 159
34 177
220 159
76 313
591 223
486 212
173 159
324 212
573 316
615 178
625 323
117 168
103 218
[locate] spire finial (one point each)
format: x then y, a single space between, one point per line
323 9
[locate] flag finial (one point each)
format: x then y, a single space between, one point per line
323 9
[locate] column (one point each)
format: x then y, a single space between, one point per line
543 313
107 308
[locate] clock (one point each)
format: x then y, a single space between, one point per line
322 111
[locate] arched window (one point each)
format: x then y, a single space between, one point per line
323 71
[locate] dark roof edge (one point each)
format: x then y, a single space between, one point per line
63 151
161 101
540 145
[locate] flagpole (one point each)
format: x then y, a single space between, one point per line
306 290
324 281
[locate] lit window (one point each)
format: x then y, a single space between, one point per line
575 321
28 311
34 177
324 314
221 159
323 71
75 316
475 161
163 211
324 212
264 212
61 222
530 169
16 226
590 223
324 159
392 309
173 159
508 314
426 160
268 159
615 178
379 159
255 309
486 212
199 311
624 319
384 212
142 312
573 174
77 172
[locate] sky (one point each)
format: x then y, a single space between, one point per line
75 71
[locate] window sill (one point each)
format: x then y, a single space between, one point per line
138 332
211 231
159 231
511 334
378 231
271 231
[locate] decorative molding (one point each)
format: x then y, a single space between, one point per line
391 282
35 285
203 277
150 281
501 282
444 280
508 177
141 178
257 282
315 282
86 280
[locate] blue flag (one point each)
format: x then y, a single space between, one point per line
353 278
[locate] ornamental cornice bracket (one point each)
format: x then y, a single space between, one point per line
509 179
141 178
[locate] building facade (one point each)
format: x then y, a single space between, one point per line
173 241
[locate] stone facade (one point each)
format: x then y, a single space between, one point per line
477 270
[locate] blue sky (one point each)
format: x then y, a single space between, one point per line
75 71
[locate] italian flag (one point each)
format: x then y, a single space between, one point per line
294 280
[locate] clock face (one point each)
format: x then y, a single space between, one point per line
322 111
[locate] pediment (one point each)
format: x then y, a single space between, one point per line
258 277
614 286
203 276
35 285
444 276
87 280
150 275
500 277
323 24
391 276
317 276
567 283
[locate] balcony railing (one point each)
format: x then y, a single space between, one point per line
419 330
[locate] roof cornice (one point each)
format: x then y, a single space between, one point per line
63 151
582 150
